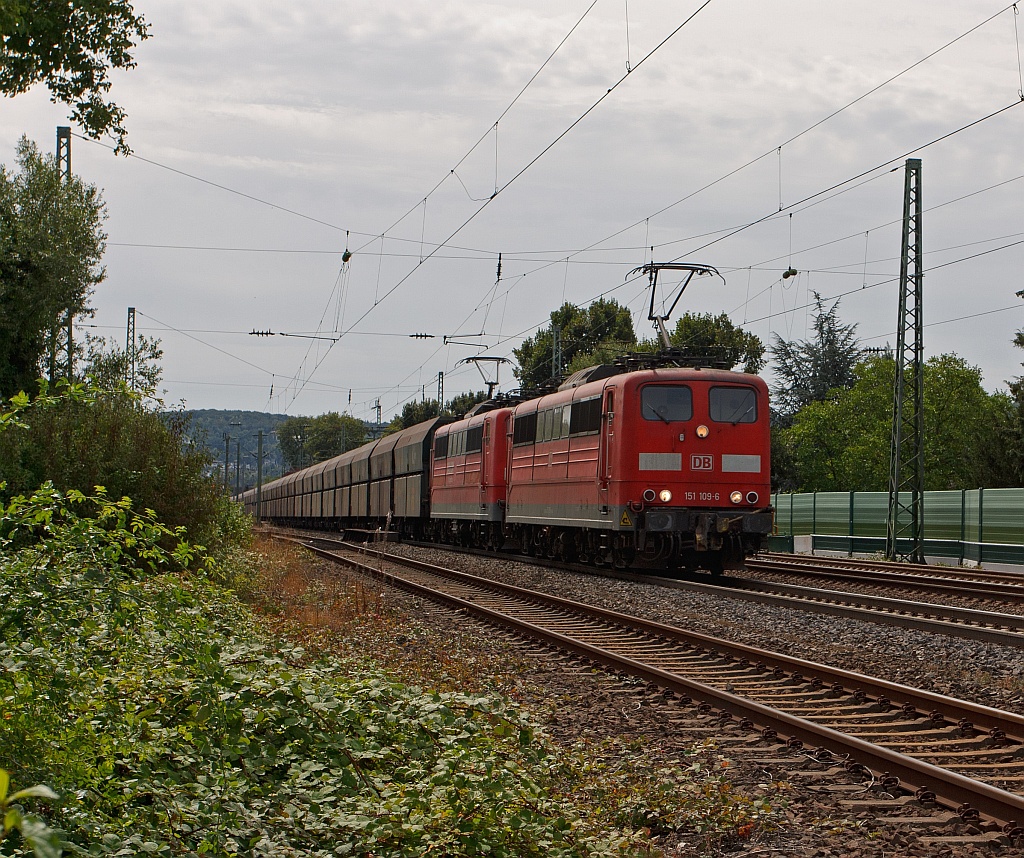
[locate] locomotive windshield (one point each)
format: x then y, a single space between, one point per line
668 403
732 405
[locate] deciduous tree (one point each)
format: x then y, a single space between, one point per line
71 48
51 244
307 440
459 405
604 325
717 336
841 443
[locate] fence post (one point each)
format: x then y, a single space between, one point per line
981 526
814 519
963 522
850 552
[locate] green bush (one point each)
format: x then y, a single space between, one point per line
82 438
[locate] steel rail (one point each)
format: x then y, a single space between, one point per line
965 586
970 623
918 570
949 787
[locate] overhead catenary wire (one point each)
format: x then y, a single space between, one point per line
800 133
522 170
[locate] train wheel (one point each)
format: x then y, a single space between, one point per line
567 548
623 556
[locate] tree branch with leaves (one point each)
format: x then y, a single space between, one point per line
71 48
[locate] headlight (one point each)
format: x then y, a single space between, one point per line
736 497
703 431
665 495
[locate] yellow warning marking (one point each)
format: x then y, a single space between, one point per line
625 521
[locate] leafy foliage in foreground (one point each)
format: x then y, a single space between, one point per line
145 695
131 690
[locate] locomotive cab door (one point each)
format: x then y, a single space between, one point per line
604 462
485 461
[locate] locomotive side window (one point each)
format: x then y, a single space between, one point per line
524 428
441 447
553 426
544 424
585 416
668 403
732 405
474 439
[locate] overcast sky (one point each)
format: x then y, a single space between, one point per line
316 127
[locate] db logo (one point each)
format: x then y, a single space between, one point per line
702 463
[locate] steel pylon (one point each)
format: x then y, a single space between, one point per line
905 530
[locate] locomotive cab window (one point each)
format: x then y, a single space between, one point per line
732 404
668 403
441 447
474 439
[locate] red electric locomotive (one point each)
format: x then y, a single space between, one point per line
669 465
468 478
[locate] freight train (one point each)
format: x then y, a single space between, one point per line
625 464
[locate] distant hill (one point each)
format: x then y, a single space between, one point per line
209 425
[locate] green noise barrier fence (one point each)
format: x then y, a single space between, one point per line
979 525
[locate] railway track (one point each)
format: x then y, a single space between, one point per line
1002 628
916 570
995 627
962 755
1007 588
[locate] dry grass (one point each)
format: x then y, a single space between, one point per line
330 611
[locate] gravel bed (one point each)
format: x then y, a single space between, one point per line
983 673
575 703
